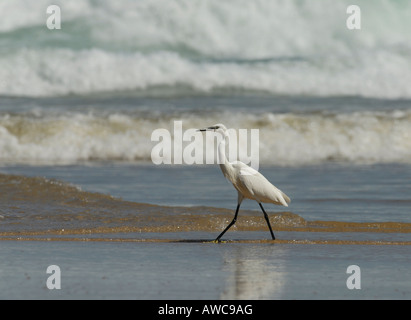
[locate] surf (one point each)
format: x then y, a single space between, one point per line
140 46
68 137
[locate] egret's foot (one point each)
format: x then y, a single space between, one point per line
219 241
212 241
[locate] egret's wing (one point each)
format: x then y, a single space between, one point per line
260 188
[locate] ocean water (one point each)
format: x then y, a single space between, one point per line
79 105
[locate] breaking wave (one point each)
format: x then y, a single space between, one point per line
279 47
284 138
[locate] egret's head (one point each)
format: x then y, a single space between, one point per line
214 128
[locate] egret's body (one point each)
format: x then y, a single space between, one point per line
248 182
253 185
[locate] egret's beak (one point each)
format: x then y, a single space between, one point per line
208 129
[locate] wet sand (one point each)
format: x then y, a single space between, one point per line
35 206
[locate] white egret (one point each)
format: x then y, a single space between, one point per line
248 182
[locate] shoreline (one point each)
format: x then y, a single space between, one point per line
203 241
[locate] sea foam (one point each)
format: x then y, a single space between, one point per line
284 138
278 47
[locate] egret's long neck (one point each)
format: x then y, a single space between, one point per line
222 159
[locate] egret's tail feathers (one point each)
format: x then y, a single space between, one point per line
286 198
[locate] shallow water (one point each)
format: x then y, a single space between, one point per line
112 270
332 191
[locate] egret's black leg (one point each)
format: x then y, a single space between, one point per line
268 221
231 223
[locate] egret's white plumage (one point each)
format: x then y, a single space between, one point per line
249 182
253 185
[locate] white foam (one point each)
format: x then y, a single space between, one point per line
281 47
21 14
284 139
61 72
